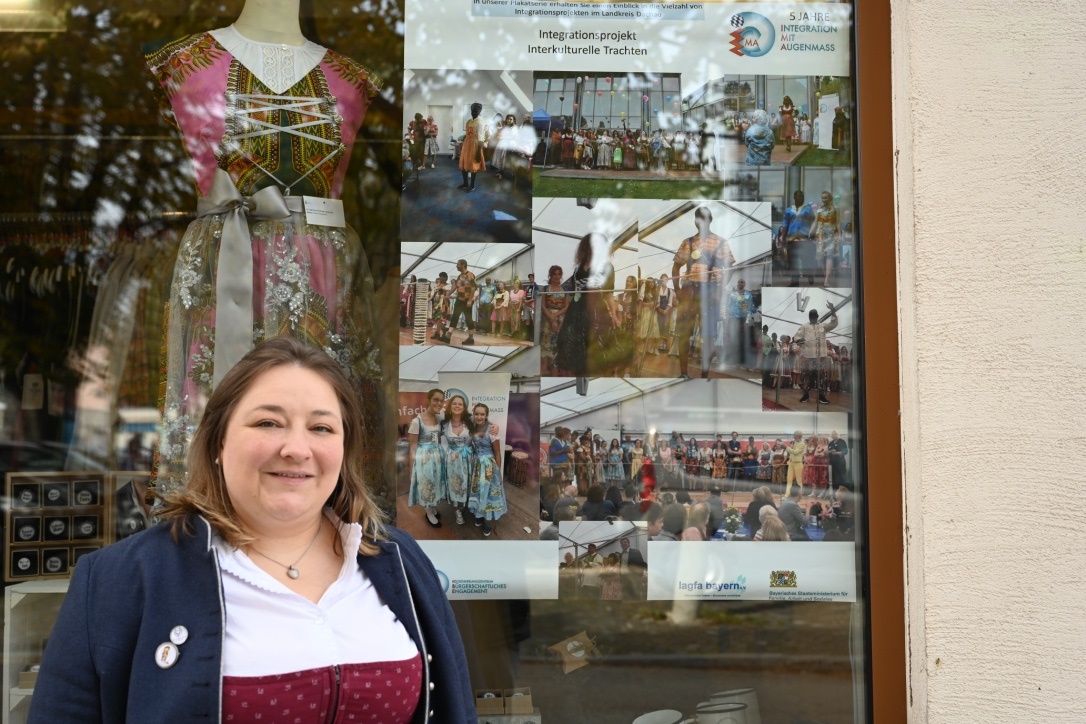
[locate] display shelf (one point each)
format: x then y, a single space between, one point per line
26 628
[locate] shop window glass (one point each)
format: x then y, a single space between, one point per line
643 568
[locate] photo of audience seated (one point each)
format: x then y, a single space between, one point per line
602 560
698 487
591 302
805 352
466 294
469 140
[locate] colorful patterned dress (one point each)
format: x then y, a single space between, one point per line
458 462
261 133
612 468
476 136
487 498
828 241
556 304
429 486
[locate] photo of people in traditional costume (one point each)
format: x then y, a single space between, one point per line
472 291
453 474
760 139
472 156
805 252
486 499
712 279
603 560
474 178
250 266
457 429
592 330
814 325
629 126
782 120
555 302
426 459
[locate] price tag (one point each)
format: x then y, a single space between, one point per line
323 212
33 392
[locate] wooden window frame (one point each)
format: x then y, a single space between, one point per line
887 655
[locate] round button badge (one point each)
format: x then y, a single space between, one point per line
166 655
179 635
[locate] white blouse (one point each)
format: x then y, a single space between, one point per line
273 630
277 65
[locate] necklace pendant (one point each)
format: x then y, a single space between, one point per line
293 572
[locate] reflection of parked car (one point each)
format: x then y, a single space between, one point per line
40 457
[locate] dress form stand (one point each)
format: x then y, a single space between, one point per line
271 21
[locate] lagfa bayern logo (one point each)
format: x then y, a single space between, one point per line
443 580
753 35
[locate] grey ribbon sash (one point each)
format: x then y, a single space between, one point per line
234 271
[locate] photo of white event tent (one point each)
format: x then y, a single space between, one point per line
745 225
692 407
422 363
504 261
559 224
500 261
784 309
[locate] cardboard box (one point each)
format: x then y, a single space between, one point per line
489 701
533 718
27 679
518 701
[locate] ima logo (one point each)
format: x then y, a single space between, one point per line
453 392
753 35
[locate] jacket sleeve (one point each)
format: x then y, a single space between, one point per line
453 700
68 688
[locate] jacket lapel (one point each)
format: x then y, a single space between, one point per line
386 574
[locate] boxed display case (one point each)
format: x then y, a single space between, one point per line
54 519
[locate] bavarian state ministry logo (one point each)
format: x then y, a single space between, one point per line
753 35
782 579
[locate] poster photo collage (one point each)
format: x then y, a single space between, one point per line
626 313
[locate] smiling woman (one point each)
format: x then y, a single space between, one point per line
277 527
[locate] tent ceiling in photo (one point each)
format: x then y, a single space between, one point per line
558 396
426 260
559 224
781 312
423 362
578 534
746 225
700 407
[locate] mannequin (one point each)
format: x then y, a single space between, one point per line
268 119
271 21
472 160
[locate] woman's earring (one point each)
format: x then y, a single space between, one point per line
217 461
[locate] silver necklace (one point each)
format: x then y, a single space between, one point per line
293 572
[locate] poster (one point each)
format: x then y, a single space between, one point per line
645 256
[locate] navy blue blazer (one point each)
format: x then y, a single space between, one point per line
124 599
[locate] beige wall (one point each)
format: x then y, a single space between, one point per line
991 132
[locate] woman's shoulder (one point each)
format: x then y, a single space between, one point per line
155 546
